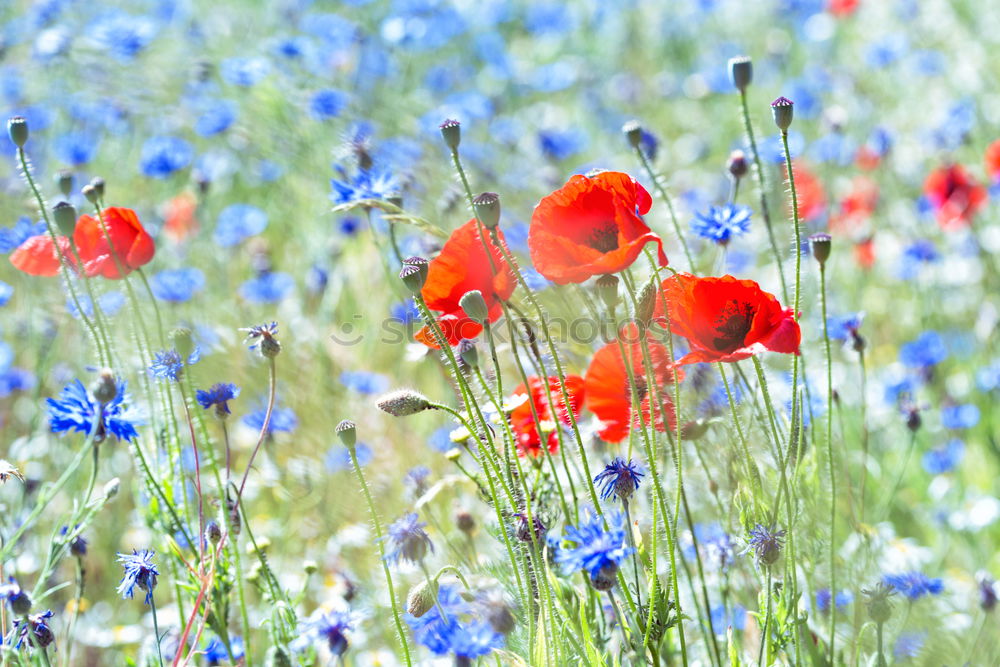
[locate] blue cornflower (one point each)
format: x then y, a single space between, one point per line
316 279
844 327
163 155
373 183
824 598
914 585
218 396
405 312
338 457
916 256
36 624
12 237
408 540
75 410
909 644
620 479
139 571
15 379
177 285
326 627
269 287
18 601
326 104
721 223
960 416
559 145
987 593
215 651
723 619
365 382
217 116
945 458
244 71
349 226
76 148
122 35
6 291
238 222
169 364
417 477
717 545
927 350
765 544
458 631
283 420
110 303
597 550
261 335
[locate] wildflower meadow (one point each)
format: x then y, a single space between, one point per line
499 332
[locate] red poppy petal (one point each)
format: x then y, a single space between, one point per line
37 256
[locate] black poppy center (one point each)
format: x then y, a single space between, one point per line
733 325
603 239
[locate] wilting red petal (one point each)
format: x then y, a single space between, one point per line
591 226
37 256
133 246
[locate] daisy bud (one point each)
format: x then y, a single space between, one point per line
607 288
737 164
98 184
741 72
184 342
820 244
90 192
474 305
310 567
105 388
413 274
633 132
487 208
420 599
468 353
64 179
347 431
403 403
451 132
17 129
64 214
781 108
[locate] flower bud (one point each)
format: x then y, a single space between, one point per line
64 180
414 274
782 109
90 192
17 130
498 614
820 244
607 289
277 656
468 353
487 208
104 387
474 305
19 601
877 602
213 533
420 599
646 302
465 522
451 132
98 184
184 342
64 215
310 567
741 72
633 132
605 578
403 402
111 488
737 164
694 430
347 431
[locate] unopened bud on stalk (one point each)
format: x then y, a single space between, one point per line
111 488
451 132
310 567
737 164
64 215
646 302
17 130
420 599
90 192
347 431
820 244
104 387
468 353
741 72
633 132
607 289
64 180
877 602
183 341
782 109
474 305
213 533
403 402
414 274
277 656
465 522
98 183
487 208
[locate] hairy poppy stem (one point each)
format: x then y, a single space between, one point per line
668 201
832 463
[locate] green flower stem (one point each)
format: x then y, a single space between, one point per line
831 461
662 191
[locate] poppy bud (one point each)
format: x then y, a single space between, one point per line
820 244
468 353
64 180
607 288
213 533
420 599
451 132
737 164
465 522
98 184
646 302
413 274
633 132
913 421
90 192
403 402
487 208
64 214
782 108
104 388
184 342
17 130
474 305
347 431
741 72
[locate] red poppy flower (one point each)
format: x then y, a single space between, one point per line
842 8
992 158
864 252
133 246
179 221
462 266
954 195
590 226
725 319
522 421
857 206
609 394
866 158
809 190
37 256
